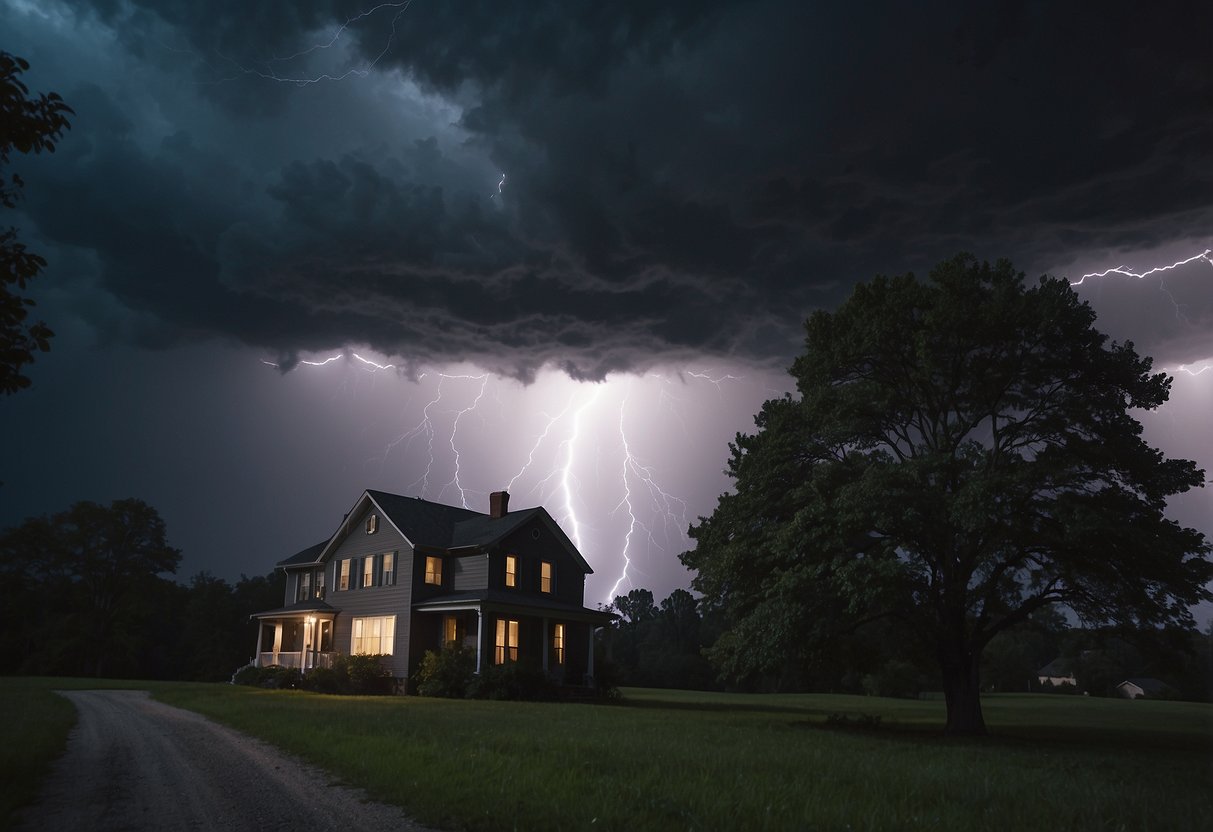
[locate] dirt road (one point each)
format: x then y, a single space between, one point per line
133 763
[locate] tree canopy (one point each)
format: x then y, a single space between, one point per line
27 125
962 453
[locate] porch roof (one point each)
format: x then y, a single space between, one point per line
507 601
298 608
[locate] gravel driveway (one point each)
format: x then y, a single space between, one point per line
133 763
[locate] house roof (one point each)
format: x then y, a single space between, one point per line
437 526
296 609
422 522
1154 687
309 555
1058 667
509 599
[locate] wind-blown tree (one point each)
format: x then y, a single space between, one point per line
962 454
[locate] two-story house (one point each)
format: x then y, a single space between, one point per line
403 575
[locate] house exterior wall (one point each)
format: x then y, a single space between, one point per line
531 551
469 572
359 601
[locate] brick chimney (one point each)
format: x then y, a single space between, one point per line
499 504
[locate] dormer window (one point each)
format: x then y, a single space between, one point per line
372 523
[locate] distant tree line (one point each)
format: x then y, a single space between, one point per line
90 592
668 645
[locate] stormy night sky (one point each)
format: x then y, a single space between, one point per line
564 247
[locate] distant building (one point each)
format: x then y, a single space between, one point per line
1144 688
1060 671
402 575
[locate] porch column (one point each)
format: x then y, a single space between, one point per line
257 655
479 635
545 644
590 661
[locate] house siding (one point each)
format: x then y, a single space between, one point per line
361 602
469 572
531 551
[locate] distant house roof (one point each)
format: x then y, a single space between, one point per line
1151 687
1059 667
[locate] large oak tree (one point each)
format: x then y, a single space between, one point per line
962 452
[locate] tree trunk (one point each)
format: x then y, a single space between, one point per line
962 691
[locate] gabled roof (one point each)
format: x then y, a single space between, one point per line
420 521
436 526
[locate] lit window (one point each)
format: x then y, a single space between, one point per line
433 570
507 641
511 570
368 571
372 523
558 643
545 577
320 583
344 582
389 569
450 629
374 636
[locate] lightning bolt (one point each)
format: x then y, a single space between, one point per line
632 469
500 185
1206 256
530 459
271 74
483 379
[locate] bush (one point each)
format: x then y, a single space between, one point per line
447 673
247 675
279 678
367 675
326 680
514 680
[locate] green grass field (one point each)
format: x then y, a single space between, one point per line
680 760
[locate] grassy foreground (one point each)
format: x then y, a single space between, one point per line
679 760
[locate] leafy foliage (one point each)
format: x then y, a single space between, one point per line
27 125
521 680
89 591
653 645
962 454
446 673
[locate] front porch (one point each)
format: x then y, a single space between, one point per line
299 636
559 641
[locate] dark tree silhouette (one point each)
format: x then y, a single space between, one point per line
962 453
93 576
27 125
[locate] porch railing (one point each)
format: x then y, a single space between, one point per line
296 659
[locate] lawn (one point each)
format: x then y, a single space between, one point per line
679 760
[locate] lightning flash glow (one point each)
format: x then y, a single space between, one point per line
633 442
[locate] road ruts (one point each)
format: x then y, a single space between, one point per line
136 764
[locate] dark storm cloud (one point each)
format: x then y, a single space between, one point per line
681 179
